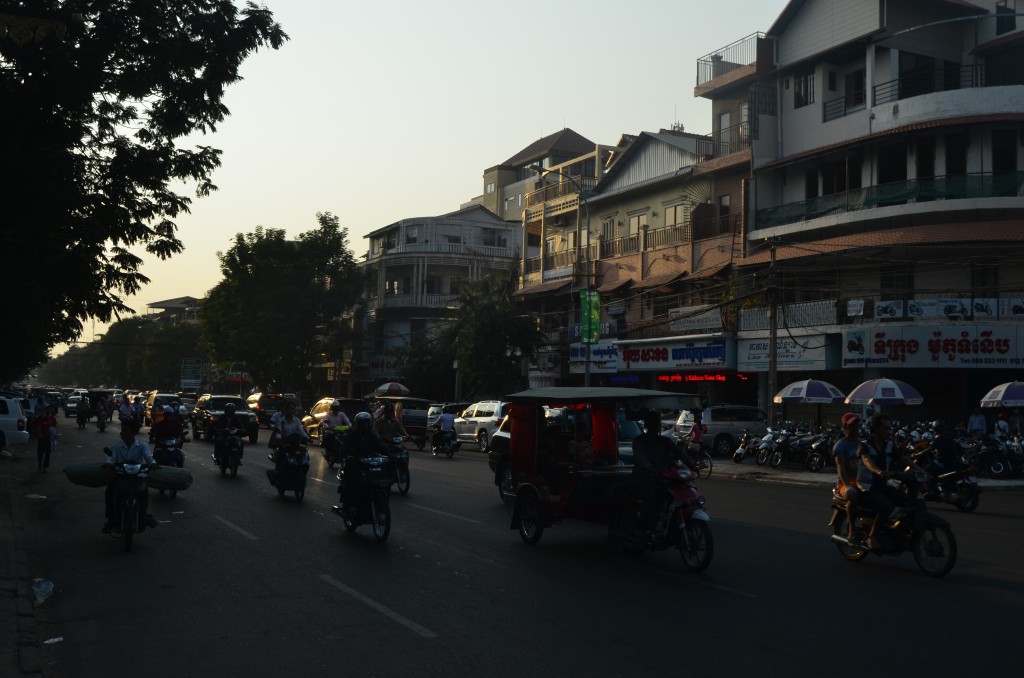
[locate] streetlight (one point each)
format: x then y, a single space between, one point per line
585 260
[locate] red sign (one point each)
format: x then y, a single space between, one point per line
681 377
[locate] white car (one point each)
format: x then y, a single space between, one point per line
479 421
12 422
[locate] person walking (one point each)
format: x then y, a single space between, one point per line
46 425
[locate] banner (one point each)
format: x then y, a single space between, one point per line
792 353
604 357
986 346
590 314
680 354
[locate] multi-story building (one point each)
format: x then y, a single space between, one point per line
174 311
415 264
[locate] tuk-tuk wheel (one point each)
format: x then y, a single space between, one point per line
531 529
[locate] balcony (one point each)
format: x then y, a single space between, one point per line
629 244
959 187
559 190
415 301
669 236
741 53
843 106
710 228
457 249
925 81
724 142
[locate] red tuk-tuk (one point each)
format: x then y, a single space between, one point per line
566 456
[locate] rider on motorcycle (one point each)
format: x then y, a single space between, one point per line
388 427
125 411
128 450
169 426
858 474
444 426
226 421
653 453
334 418
359 442
946 453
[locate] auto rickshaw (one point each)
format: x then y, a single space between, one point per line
569 465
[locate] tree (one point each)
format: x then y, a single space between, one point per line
93 107
281 302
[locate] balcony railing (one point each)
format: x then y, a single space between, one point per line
843 106
669 236
629 244
558 189
416 300
925 81
559 259
743 52
447 248
958 187
709 228
724 141
801 314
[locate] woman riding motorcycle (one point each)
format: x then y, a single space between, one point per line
359 442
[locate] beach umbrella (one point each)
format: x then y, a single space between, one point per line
391 388
1010 394
884 392
811 391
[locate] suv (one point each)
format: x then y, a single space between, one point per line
266 405
479 421
725 426
12 422
209 409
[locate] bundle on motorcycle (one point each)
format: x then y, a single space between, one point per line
291 463
909 528
371 495
90 474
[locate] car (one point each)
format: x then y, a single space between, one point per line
724 427
158 400
479 421
13 430
437 409
311 420
72 405
209 409
266 405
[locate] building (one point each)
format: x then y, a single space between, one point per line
173 311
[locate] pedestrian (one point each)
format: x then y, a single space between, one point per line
47 428
1002 425
976 424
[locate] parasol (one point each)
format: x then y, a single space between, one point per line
391 388
884 392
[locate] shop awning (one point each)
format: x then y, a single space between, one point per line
615 285
658 281
547 288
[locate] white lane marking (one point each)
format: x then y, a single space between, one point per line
444 513
236 528
387 612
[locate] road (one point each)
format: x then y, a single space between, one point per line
238 581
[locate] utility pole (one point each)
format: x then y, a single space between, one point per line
772 297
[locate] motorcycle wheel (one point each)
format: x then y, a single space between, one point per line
381 512
968 499
449 450
762 456
738 456
815 462
433 451
628 533
420 442
505 489
997 468
697 546
704 465
299 494
234 468
848 552
530 527
776 458
934 550
350 524
403 482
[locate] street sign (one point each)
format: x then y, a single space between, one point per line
590 307
191 374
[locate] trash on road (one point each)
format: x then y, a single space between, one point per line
41 589
54 641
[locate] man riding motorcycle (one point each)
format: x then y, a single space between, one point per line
225 422
333 419
652 454
359 442
387 428
169 426
128 450
444 426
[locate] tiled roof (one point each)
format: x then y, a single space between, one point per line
931 234
658 280
564 141
550 288
614 285
913 127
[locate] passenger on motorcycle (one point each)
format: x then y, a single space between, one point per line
226 421
444 426
169 426
653 453
387 428
945 452
858 473
360 442
128 450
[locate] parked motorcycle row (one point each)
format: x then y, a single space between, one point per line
794 443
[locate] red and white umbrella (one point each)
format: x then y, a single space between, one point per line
884 392
391 388
1010 394
812 391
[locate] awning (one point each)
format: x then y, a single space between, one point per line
708 273
547 288
615 285
658 281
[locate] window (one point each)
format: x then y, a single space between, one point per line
608 229
492 237
803 90
724 202
549 246
1005 19
676 215
855 87
636 223
832 81
410 235
490 187
956 154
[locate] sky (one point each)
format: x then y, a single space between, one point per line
381 111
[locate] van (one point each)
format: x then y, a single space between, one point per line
725 426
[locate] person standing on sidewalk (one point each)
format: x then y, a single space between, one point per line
46 425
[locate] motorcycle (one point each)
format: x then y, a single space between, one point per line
821 450
444 442
232 451
855 345
331 445
399 464
130 483
167 452
291 463
910 528
682 523
959 488
373 497
748 445
886 310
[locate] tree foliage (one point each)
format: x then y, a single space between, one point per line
282 302
95 102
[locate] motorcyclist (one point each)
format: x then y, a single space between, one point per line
224 423
169 426
359 442
945 450
286 427
653 453
444 426
335 418
128 450
125 411
387 428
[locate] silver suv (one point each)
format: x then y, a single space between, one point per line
479 421
726 426
12 422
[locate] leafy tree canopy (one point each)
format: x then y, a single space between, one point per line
95 94
282 303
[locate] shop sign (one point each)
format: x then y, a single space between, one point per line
604 358
678 355
792 353
991 346
695 318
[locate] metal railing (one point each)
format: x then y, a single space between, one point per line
629 244
925 81
559 259
668 236
800 314
724 141
956 187
709 228
446 248
843 106
417 300
743 52
558 189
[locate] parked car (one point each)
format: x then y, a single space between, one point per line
209 409
479 421
725 427
311 420
13 429
266 405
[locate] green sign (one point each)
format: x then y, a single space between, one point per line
590 317
191 373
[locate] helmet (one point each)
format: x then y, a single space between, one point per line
168 409
182 410
335 406
363 422
229 408
938 425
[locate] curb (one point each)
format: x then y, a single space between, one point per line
25 650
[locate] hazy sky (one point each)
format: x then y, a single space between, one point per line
379 111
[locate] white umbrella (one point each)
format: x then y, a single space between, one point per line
884 392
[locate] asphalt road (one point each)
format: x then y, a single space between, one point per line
238 581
